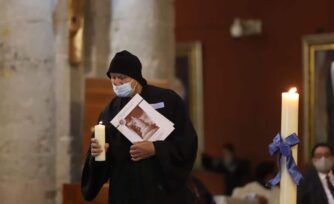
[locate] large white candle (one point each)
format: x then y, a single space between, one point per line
100 135
289 125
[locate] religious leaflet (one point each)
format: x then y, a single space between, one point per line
139 121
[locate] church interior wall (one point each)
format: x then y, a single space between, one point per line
244 78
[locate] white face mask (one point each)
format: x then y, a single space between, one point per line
323 164
124 90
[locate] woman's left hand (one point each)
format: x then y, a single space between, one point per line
142 150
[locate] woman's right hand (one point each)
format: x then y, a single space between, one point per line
95 147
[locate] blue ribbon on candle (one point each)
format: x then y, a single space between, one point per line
283 148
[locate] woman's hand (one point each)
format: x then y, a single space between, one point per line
95 147
142 150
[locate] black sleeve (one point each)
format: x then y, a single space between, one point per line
94 175
177 153
302 195
309 187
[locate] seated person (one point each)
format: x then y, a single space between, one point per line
257 189
236 170
317 185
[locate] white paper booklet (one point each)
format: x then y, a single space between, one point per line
139 121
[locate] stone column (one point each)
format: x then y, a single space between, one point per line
62 69
27 145
145 28
96 40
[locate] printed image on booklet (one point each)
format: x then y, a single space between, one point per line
139 121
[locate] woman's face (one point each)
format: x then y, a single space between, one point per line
119 79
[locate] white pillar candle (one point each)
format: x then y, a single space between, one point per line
289 125
100 135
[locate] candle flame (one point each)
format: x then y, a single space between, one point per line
293 90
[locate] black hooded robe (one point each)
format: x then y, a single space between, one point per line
158 179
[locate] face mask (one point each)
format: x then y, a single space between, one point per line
124 90
323 164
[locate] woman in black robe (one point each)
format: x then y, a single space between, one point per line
144 172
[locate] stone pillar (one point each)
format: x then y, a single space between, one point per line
76 119
62 69
96 35
27 145
77 80
145 28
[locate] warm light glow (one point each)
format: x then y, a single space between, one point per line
293 90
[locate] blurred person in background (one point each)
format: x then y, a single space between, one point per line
317 185
257 189
236 170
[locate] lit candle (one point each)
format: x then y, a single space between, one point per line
289 125
99 134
